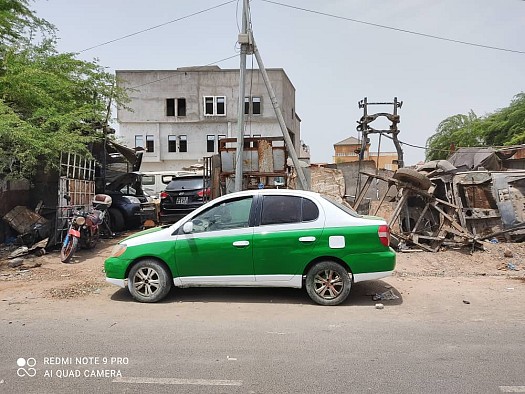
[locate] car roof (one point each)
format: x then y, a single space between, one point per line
269 192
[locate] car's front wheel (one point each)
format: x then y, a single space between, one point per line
328 283
149 281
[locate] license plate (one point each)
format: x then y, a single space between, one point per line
181 200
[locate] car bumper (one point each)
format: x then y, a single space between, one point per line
371 276
119 282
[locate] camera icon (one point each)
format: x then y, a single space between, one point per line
25 367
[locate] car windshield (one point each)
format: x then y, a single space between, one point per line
185 184
342 207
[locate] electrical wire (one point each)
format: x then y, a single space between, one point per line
395 28
193 68
157 26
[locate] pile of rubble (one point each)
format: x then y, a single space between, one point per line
437 205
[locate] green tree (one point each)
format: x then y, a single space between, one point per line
18 22
457 130
506 126
503 127
50 102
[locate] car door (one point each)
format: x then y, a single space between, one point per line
289 228
219 249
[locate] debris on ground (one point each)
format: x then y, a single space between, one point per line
387 295
74 290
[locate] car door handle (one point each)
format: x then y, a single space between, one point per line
241 244
307 239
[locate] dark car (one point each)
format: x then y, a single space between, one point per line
182 196
131 206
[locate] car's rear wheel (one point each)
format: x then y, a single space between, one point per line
116 220
149 281
328 283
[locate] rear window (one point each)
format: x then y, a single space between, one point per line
185 184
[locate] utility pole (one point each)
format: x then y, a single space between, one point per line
244 41
303 184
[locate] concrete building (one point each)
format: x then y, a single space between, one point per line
178 116
347 151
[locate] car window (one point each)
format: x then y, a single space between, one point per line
281 209
310 210
167 179
148 179
342 207
185 184
224 216
288 209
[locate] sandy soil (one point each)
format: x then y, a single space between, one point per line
45 277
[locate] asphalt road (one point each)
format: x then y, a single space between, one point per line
270 341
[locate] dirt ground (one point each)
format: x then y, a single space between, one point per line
45 277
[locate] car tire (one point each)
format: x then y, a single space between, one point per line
149 281
337 290
409 175
116 220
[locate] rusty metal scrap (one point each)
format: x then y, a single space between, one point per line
419 218
460 208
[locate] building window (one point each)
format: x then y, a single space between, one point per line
208 106
172 143
170 107
254 103
150 143
139 141
247 144
210 143
219 138
181 107
221 105
214 105
179 111
183 143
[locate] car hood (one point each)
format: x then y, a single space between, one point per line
123 180
156 234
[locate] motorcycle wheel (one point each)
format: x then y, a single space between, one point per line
68 249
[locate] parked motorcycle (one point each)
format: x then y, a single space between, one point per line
85 226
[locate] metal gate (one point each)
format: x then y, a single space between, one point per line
77 182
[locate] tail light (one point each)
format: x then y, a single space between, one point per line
204 192
163 195
383 233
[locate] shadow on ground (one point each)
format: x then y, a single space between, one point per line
362 294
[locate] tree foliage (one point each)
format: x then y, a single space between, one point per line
503 127
49 101
18 22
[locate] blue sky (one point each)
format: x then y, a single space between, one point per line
332 62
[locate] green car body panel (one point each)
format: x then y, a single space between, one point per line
260 254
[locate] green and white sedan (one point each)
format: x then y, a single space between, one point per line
264 238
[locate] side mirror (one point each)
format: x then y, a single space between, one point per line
187 228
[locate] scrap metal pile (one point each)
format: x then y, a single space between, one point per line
438 205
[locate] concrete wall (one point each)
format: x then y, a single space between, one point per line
351 175
148 115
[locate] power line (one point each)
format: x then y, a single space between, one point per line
193 69
395 29
157 26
